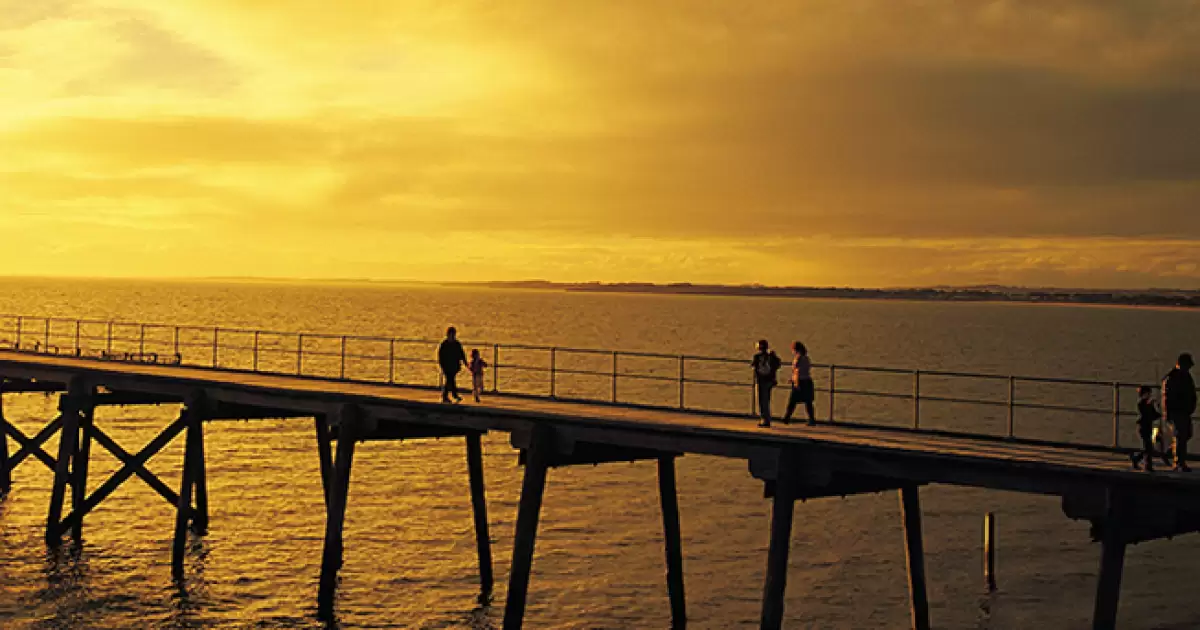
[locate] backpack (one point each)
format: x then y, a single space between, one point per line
765 365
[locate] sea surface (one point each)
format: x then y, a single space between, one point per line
410 556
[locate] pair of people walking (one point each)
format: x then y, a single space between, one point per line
1178 406
452 358
766 365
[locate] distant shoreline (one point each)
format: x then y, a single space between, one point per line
1150 297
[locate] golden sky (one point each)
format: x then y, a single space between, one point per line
841 142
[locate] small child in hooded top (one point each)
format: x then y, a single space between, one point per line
1147 416
475 366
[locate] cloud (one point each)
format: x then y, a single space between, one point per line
833 127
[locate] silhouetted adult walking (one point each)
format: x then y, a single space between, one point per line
1179 403
765 364
451 358
802 384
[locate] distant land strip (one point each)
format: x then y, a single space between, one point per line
1120 297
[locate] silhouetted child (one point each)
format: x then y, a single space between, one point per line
1147 416
476 368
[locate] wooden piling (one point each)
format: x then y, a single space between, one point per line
69 408
782 510
672 540
483 541
1112 564
200 482
914 548
537 462
79 467
339 490
325 454
183 508
989 551
5 468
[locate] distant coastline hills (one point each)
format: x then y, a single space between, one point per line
985 293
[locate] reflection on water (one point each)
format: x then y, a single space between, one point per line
410 556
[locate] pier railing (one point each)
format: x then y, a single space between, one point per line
1085 413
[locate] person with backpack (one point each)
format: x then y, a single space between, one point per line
765 365
1178 405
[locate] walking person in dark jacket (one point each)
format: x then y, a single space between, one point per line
765 364
1147 415
451 358
1179 403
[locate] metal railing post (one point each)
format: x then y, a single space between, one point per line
108 347
1012 388
1116 389
141 342
255 350
47 335
916 399
391 361
299 354
832 389
753 394
175 344
553 370
343 377
681 382
20 324
78 337
216 345
614 376
495 367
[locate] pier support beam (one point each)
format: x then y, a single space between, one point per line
349 430
672 540
79 466
537 462
194 418
1112 564
5 469
200 481
325 454
69 405
914 554
483 541
782 510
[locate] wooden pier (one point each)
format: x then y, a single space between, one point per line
794 462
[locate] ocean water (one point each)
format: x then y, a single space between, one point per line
410 559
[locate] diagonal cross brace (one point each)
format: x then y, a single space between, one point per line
33 446
138 462
140 470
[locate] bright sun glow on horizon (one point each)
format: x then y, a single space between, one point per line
821 143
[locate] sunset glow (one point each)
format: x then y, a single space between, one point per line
806 143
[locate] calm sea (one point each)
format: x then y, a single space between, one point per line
410 558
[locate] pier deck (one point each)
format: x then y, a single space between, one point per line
795 461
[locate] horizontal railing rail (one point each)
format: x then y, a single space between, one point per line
613 376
